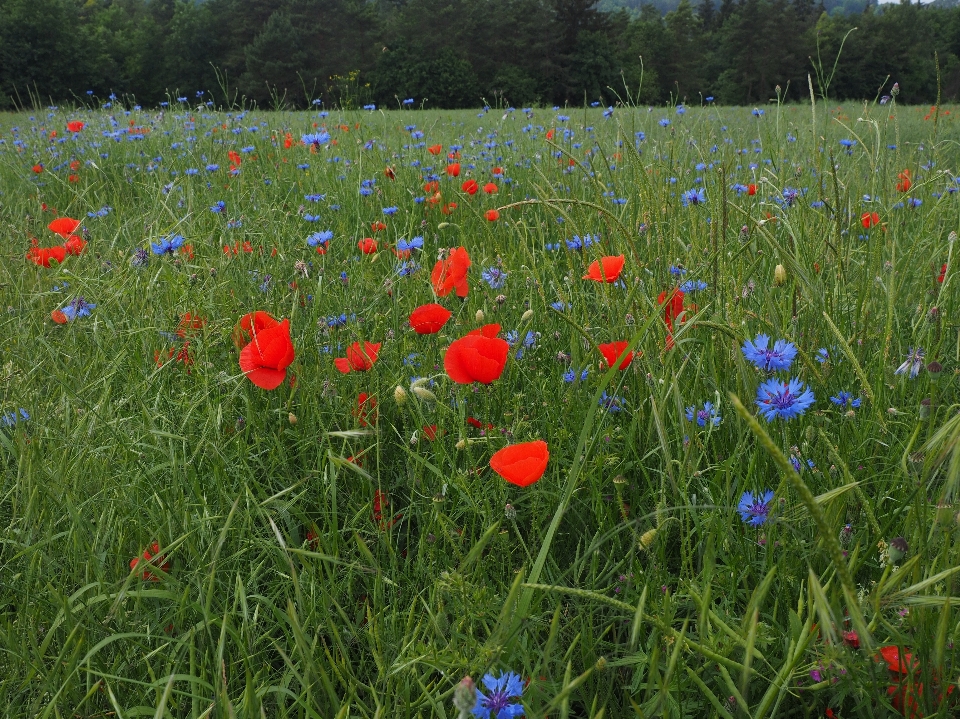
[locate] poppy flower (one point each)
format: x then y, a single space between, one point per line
44 255
74 245
474 422
943 274
492 215
380 502
270 351
470 187
432 186
451 273
672 306
521 464
190 324
612 351
430 431
429 319
448 208
905 183
491 188
606 269
435 149
389 172
903 695
358 359
73 178
367 245
870 219
550 133
478 357
377 226
366 409
453 169
151 555
64 226
37 169
497 171
751 190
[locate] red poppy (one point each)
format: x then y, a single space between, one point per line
521 464
448 207
270 351
478 357
58 317
751 189
612 351
288 141
453 169
378 226
64 226
75 165
492 215
470 187
497 171
672 306
902 692
367 245
366 409
74 245
235 158
870 219
432 186
429 319
44 255
430 431
435 149
190 324
905 183
73 178
152 556
491 188
37 169
943 274
358 359
389 172
474 422
380 502
550 134
851 639
451 273
606 269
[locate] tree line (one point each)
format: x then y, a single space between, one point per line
464 53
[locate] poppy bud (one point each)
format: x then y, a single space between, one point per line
898 550
462 444
510 512
292 418
895 90
425 394
399 395
526 315
479 316
779 275
465 696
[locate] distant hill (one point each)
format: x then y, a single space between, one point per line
833 7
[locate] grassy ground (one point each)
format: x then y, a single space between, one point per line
317 557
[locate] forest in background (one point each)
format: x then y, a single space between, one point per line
464 53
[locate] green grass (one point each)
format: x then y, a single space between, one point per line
624 583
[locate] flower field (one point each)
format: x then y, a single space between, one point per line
623 413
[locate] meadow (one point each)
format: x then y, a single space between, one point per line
699 457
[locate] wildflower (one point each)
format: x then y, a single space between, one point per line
521 464
616 351
696 196
152 556
453 169
429 319
904 183
366 409
218 207
784 400
914 362
754 510
779 275
571 375
470 187
264 360
167 245
358 359
693 286
9 419
316 139
498 699
845 399
606 269
870 219
406 246
75 126
495 277
43 256
822 356
479 357
64 226
367 245
611 403
492 215
451 273
491 188
320 240
702 416
779 357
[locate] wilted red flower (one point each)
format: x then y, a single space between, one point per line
943 273
367 245
751 189
612 351
521 464
190 324
74 245
64 226
429 319
366 409
904 183
491 188
270 351
378 226
870 219
435 149
44 255
450 274
453 169
478 357
492 215
606 269
474 422
380 503
358 359
851 639
152 556
470 187
389 172
672 304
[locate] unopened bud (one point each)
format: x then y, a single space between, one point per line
292 418
526 315
895 90
425 394
479 316
952 237
400 395
646 539
779 275
465 696
510 512
462 444
898 550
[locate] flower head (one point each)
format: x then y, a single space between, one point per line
497 701
779 357
702 416
845 399
696 196
914 362
754 509
783 399
495 277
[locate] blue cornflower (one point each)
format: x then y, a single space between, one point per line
795 462
218 207
611 403
314 198
408 101
571 375
580 243
498 699
167 245
316 138
848 143
693 286
664 122
779 357
783 399
495 277
8 419
707 414
213 168
822 355
608 112
790 196
679 271
370 107
755 510
303 166
415 244
843 399
311 218
560 306
78 308
914 362
405 269
320 238
390 211
757 112
696 196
